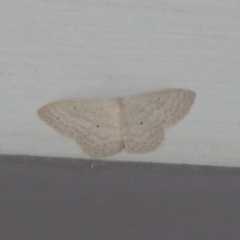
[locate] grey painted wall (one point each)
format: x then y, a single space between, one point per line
46 198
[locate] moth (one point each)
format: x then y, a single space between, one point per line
103 127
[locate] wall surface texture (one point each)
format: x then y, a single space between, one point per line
52 50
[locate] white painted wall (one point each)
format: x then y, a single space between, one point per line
51 50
